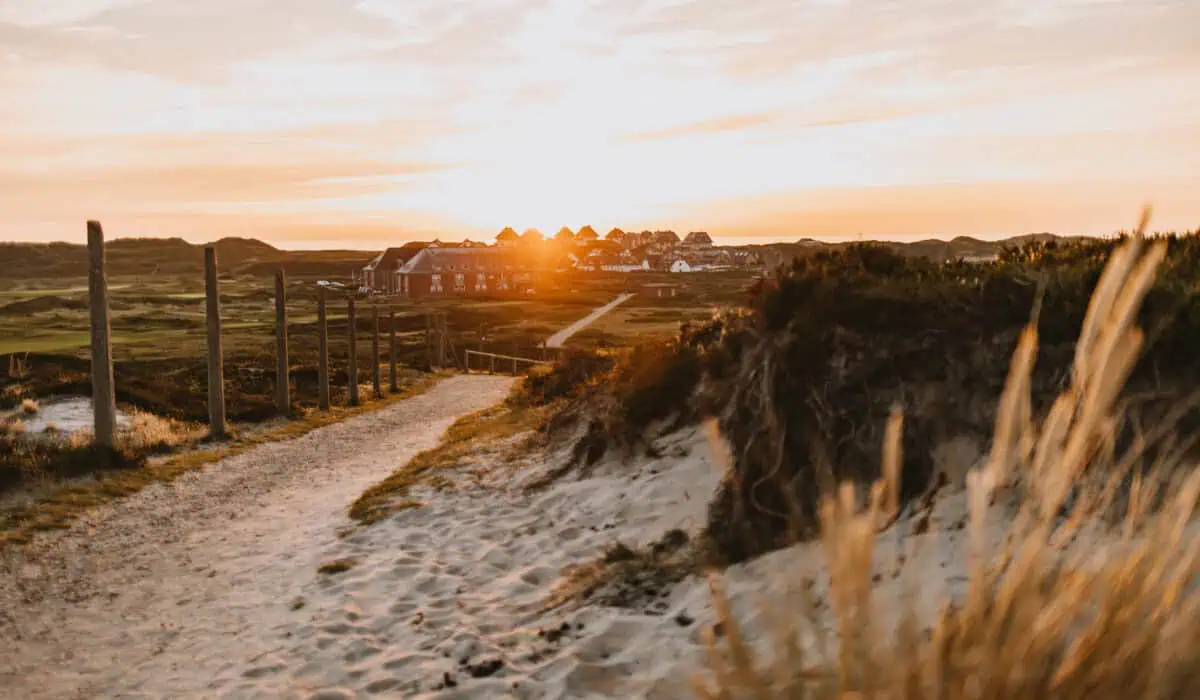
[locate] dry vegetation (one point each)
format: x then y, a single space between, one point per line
457 448
1035 623
803 380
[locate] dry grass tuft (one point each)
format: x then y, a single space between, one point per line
29 407
462 441
1039 622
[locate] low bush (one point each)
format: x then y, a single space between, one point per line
803 379
1036 621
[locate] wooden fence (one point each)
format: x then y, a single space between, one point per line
491 357
439 347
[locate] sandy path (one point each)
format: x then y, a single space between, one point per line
558 339
164 593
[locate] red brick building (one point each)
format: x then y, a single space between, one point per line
379 275
476 272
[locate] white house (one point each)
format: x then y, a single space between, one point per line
681 266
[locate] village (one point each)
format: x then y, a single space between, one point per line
515 263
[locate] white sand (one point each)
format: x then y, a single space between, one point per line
560 338
444 601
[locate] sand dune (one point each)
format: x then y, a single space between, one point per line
210 588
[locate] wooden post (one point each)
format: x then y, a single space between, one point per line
393 379
104 395
514 359
441 340
376 382
322 352
283 393
428 340
216 363
352 369
492 368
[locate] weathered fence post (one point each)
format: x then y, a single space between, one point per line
441 340
392 378
104 395
376 382
216 363
283 391
514 359
322 352
352 370
429 340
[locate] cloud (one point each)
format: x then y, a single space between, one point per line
765 40
735 122
191 41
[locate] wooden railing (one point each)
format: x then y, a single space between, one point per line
492 357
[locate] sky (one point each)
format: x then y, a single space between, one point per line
318 123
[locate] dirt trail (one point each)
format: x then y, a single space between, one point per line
558 339
153 595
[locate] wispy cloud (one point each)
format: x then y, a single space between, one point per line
735 122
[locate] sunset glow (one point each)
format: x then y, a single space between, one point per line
327 122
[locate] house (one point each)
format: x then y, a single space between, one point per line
666 238
617 236
450 272
378 276
531 235
698 239
564 235
682 266
586 236
507 238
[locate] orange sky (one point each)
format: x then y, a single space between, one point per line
330 122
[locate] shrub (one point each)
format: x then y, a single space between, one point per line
839 338
567 378
1034 623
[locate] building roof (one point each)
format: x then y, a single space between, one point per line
698 238
587 233
615 235
507 235
391 256
565 234
465 260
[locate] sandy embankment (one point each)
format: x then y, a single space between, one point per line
213 591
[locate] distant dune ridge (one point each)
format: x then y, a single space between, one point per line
133 256
252 256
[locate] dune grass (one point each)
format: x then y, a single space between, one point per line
1036 622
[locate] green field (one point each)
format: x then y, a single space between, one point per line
159 337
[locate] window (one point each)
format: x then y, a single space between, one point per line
481 282
503 283
460 282
435 284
